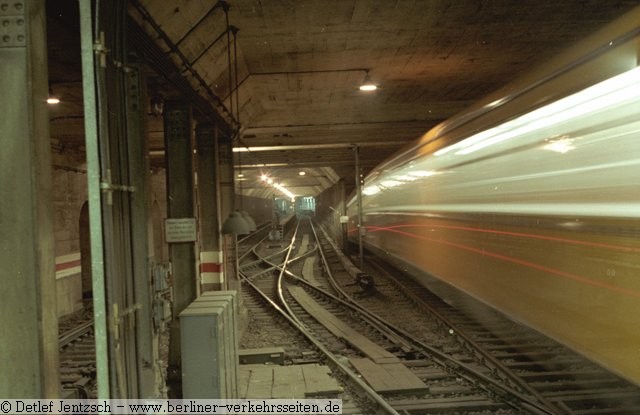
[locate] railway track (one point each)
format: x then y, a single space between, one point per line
271 326
76 345
466 366
522 357
515 355
304 303
447 375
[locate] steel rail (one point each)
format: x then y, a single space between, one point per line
443 360
383 404
398 335
71 335
542 406
325 263
479 349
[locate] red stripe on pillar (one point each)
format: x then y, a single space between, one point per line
67 265
210 267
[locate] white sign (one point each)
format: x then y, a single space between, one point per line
344 219
180 230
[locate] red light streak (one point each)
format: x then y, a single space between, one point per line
521 262
518 234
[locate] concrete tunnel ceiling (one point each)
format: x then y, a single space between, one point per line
299 65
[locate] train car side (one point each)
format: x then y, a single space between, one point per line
530 201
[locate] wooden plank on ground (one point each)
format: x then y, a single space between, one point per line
390 377
288 382
318 380
340 328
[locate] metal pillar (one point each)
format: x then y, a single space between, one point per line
210 247
95 208
356 150
178 160
29 345
226 174
219 208
113 201
178 157
148 370
227 196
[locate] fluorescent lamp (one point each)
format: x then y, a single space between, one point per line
367 85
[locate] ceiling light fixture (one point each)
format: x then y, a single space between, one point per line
367 84
52 99
235 224
302 173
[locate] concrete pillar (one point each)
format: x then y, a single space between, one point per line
29 344
211 275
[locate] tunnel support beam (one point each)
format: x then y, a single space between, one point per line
149 373
177 127
211 275
356 151
178 161
226 172
94 195
29 346
227 202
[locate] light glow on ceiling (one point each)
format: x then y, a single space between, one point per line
278 186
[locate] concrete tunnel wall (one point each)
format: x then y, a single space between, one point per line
71 226
330 205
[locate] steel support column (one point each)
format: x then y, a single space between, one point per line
94 194
211 276
149 373
227 182
359 202
227 200
179 156
178 160
29 345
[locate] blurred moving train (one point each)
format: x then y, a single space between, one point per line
530 200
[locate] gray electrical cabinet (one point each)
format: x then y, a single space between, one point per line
226 299
209 347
